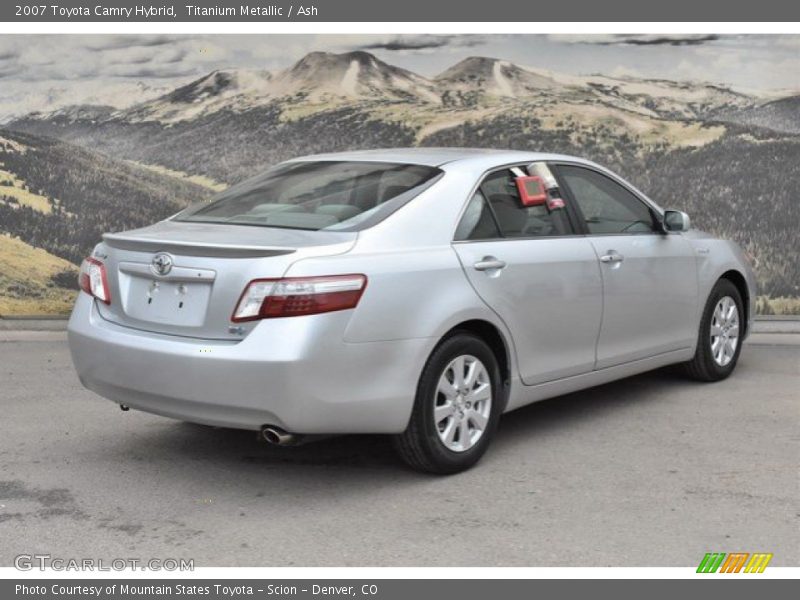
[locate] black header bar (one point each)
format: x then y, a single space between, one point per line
394 11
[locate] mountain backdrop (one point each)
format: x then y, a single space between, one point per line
730 159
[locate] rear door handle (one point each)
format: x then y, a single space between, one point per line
489 263
612 256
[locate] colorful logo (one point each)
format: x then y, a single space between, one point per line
735 562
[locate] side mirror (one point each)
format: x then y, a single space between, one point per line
676 220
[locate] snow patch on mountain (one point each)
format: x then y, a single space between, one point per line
500 80
350 80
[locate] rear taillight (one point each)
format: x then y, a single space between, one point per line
296 296
93 280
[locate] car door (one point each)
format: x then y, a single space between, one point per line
543 281
649 277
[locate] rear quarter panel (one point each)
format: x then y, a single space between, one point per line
414 293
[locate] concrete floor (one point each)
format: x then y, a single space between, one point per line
649 471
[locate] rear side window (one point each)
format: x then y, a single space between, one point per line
317 195
496 211
477 222
607 207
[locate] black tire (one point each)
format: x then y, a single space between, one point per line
420 445
703 367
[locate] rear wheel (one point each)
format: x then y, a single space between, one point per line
456 408
719 341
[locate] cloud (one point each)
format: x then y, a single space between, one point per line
668 41
160 72
637 40
426 42
787 41
86 58
102 43
143 56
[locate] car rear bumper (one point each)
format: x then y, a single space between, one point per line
295 373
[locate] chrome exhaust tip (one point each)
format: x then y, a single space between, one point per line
278 437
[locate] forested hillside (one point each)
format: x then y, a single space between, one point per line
87 194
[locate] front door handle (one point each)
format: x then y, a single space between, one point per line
489 263
612 256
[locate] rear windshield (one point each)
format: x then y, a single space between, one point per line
345 196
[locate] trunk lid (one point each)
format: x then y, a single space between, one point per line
185 278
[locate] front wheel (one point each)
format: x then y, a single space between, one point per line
456 409
719 341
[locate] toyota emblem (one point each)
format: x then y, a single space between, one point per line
161 264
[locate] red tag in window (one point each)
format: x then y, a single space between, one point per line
532 191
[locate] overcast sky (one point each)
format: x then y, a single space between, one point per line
46 72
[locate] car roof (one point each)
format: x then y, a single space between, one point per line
437 157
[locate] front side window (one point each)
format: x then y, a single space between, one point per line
328 195
607 207
497 211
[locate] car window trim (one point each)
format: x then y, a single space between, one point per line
573 224
655 213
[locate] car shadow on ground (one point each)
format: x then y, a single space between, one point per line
375 452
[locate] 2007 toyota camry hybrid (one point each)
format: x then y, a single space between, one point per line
418 292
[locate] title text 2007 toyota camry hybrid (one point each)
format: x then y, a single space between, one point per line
419 293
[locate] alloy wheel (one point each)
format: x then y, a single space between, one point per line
724 331
463 403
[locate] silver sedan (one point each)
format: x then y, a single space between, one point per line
420 293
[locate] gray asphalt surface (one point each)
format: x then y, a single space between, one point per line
649 471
